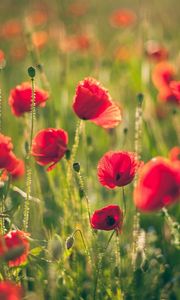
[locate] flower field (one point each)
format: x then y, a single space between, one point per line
89 150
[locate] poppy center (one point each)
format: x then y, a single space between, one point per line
110 220
118 176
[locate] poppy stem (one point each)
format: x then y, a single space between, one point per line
32 73
76 140
74 149
174 227
100 264
83 193
124 200
138 149
84 243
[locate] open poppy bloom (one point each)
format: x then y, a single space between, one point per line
20 99
158 185
92 102
107 218
8 161
49 146
14 246
175 89
122 18
174 154
117 168
10 291
16 168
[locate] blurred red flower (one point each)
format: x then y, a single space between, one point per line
163 74
155 51
10 29
20 98
174 154
10 291
163 79
16 168
73 43
107 218
175 88
8 161
40 39
38 17
6 147
92 102
158 185
49 146
16 244
2 59
78 8
122 18
117 168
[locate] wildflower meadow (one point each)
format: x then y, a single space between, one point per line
89 150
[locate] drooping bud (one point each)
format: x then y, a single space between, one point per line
69 242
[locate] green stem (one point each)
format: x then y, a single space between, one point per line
124 200
28 165
74 149
84 244
174 227
81 186
99 265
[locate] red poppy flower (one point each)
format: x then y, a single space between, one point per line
17 168
174 154
175 88
15 240
38 17
155 51
122 18
74 43
11 29
107 218
40 39
10 291
2 59
117 168
92 102
8 161
49 146
5 151
78 8
20 98
163 74
158 185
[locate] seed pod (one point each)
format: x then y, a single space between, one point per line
69 242
76 167
31 72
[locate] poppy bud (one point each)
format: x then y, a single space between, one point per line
68 154
140 98
125 130
69 242
31 72
76 167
